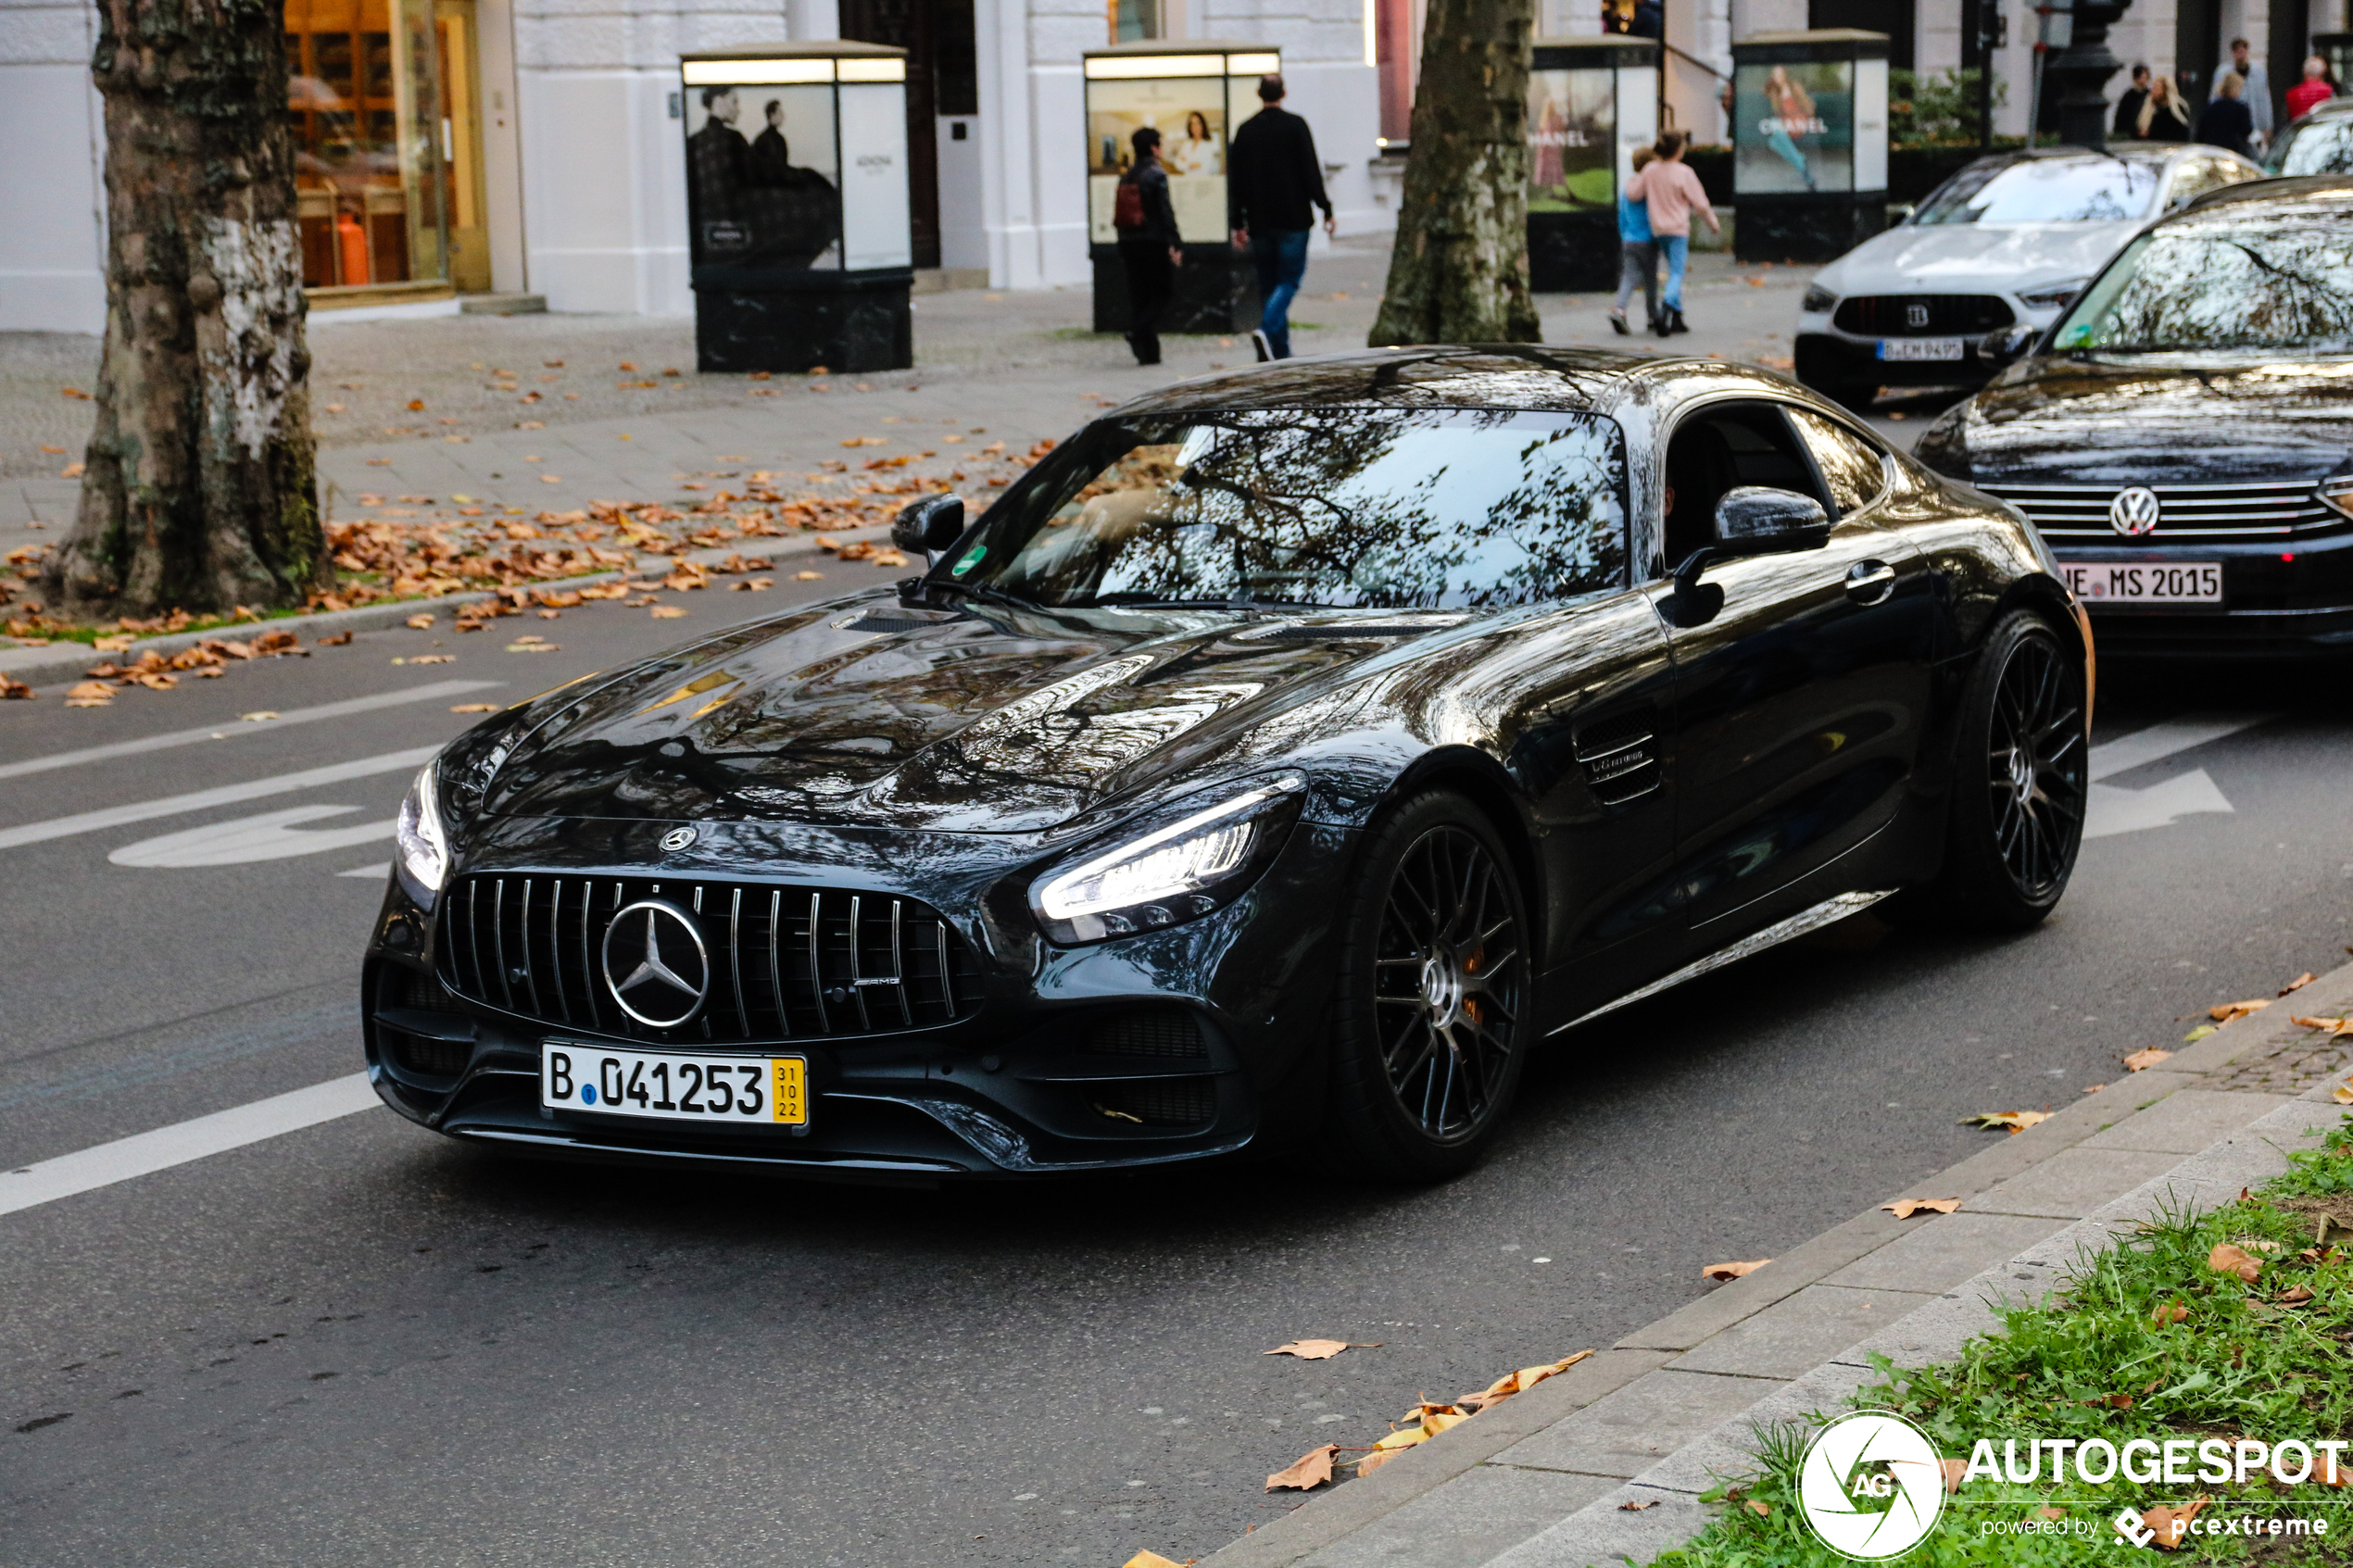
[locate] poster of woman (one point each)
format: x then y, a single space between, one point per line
1198 151
1793 126
1571 129
1190 114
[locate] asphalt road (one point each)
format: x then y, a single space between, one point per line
358 1344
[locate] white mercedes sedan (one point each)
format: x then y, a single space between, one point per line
2007 241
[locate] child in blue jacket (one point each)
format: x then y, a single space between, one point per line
1639 256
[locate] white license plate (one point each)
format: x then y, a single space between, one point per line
737 1090
1893 348
2147 583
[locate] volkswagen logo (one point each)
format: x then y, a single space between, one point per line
2134 511
677 839
655 963
1916 315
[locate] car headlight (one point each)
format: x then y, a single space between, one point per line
423 844
1817 299
1185 869
2051 296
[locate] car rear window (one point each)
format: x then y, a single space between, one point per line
2045 190
2320 147
2266 288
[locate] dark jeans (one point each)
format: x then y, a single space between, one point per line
1281 258
1152 281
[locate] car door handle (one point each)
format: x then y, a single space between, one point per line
1871 582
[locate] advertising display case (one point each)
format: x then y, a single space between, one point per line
1591 101
1810 142
1196 93
798 208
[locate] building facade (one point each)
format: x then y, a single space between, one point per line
536 145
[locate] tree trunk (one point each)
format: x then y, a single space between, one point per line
198 490
1459 270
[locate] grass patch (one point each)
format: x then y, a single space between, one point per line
2104 1356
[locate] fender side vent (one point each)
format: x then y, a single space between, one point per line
1619 756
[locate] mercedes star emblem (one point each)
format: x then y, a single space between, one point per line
677 839
655 963
2134 511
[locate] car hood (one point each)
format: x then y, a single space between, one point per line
995 721
2151 420
1968 258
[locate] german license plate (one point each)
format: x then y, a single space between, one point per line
737 1090
2147 583
1901 348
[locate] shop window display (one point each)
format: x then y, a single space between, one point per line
364 105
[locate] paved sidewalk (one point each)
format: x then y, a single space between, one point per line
1543 1480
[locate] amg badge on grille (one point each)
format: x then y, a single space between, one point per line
655 964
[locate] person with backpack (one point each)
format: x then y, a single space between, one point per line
1149 246
1638 255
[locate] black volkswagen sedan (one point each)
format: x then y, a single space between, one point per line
1279 762
2183 435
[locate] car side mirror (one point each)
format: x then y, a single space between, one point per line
1752 519
929 525
2006 346
1900 215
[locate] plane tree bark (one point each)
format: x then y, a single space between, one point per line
1458 272
198 490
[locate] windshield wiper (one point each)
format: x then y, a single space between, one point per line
1148 601
981 592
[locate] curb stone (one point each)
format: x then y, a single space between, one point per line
52 660
1675 1407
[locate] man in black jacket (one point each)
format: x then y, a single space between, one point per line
1147 245
1272 179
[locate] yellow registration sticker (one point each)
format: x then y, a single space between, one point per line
788 1092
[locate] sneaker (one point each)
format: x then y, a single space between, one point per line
1265 349
1617 322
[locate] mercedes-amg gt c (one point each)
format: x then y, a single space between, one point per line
1279 762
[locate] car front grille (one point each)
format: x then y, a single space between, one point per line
2187 513
1921 315
784 963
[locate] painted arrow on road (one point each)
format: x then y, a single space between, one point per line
2113 810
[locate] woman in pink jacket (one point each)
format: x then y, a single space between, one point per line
1671 193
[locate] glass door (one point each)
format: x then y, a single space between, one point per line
459 137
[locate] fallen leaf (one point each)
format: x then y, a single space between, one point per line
72 470
2046 1511
16 689
2094 1088
2200 1033
2228 1260
1758 1506
1312 1470
2169 1315
111 644
2016 1120
2335 1026
475 707
1375 1460
808 576
1404 1439
1732 1271
666 612
2231 1012
89 693
1149 1560
2171 1524
535 646
338 640
416 405
2298 984
334 409
2343 1093
1310 1350
2140 1061
1905 1208
419 621
1956 1471
2298 1296
76 392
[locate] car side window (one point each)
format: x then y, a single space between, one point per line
2196 177
1718 448
1852 468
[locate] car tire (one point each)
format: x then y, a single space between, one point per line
2020 785
1431 1023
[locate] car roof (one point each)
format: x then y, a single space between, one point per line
1503 375
2308 195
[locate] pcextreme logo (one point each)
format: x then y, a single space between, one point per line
1871 1487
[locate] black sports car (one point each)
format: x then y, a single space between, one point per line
1283 759
2183 435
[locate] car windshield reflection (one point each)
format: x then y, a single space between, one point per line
1329 508
2213 289
2046 191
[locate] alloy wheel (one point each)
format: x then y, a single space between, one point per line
2035 773
1447 982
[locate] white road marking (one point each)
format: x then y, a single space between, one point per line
232 728
2112 809
241 840
2161 741
375 873
227 795
159 1150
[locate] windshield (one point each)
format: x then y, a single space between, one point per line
2287 287
2320 147
2045 190
1437 509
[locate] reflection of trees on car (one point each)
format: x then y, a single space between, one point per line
2288 288
1345 507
